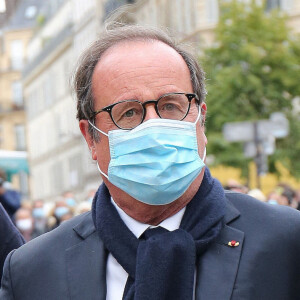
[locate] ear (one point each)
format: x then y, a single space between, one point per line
84 128
203 113
203 108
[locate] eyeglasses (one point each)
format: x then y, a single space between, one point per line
128 114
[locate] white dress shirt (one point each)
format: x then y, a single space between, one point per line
116 276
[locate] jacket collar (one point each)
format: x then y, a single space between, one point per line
220 263
86 263
86 227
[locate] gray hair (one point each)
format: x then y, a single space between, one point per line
82 82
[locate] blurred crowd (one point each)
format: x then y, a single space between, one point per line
35 218
282 194
38 217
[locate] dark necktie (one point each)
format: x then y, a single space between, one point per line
150 232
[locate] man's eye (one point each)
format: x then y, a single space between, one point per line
169 106
129 113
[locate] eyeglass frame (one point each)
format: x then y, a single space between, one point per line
108 108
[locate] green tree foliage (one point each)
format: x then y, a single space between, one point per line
252 70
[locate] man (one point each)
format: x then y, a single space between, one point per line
25 223
161 227
40 218
10 237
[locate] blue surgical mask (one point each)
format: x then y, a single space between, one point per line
272 201
155 162
38 213
60 211
71 202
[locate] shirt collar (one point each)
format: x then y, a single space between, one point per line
137 228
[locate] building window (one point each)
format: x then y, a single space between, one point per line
23 179
57 177
20 137
279 4
17 94
31 105
2 6
1 135
30 12
271 4
47 91
75 171
17 54
212 11
178 16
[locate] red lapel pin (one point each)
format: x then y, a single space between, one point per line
233 243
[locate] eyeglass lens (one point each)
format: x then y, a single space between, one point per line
129 114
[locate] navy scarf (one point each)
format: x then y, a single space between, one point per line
162 267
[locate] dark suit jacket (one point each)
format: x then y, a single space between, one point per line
11 201
10 237
70 262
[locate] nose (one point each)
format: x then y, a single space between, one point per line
150 112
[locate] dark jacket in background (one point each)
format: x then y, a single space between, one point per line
10 237
11 201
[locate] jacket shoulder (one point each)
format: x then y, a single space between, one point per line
59 239
43 266
255 214
269 265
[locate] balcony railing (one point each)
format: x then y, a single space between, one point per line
6 108
50 46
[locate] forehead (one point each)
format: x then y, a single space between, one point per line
137 69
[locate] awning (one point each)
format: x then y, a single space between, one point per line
12 162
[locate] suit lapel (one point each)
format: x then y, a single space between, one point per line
217 268
86 265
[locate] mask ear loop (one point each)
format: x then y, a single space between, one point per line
198 117
97 128
204 154
98 131
199 114
101 172
83 110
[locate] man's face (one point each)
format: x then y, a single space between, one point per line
143 71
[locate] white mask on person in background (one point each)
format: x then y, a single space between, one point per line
24 224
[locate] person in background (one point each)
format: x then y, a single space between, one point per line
24 223
60 209
39 217
9 198
26 204
287 195
297 199
82 207
235 186
257 194
161 227
10 237
91 195
273 198
69 198
67 216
